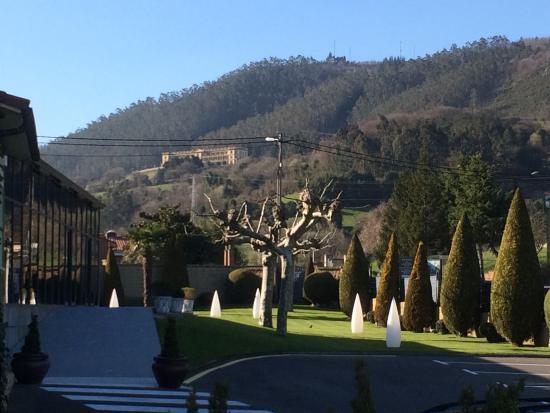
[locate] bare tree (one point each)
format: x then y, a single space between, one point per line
312 210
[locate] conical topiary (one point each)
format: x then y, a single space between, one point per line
517 288
354 279
389 283
419 309
32 339
112 279
171 347
460 288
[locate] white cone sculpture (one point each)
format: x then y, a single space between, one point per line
393 327
113 303
357 317
215 308
32 299
256 306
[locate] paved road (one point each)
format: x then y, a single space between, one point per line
403 383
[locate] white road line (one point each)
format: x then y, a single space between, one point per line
138 382
483 363
538 387
136 392
513 373
149 400
156 409
440 362
231 363
470 372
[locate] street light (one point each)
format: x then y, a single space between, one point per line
279 141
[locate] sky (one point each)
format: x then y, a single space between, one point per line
77 60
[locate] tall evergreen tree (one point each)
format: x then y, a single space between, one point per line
354 278
112 279
517 288
461 282
475 192
417 210
419 309
389 283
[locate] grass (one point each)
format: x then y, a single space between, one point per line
205 339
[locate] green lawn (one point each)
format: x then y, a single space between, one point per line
205 339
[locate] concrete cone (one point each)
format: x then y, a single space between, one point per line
393 329
357 317
256 306
113 303
215 308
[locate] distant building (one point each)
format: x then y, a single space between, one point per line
215 156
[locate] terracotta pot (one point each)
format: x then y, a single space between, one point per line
170 372
30 368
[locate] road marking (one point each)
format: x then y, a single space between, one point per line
513 373
137 382
149 400
470 372
440 362
538 387
156 409
233 362
122 391
482 363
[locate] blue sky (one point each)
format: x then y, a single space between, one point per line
77 60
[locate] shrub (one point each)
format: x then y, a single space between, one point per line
242 285
489 331
112 280
389 283
354 279
171 345
321 288
191 402
189 293
517 287
547 308
371 317
461 284
419 309
499 398
217 402
441 328
32 340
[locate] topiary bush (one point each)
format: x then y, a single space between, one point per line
460 289
489 331
517 288
389 283
171 347
441 328
419 309
242 286
354 279
32 339
321 288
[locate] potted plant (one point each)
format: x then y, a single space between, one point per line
170 367
162 297
30 366
189 295
176 305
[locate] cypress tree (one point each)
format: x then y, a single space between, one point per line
419 306
517 287
354 278
389 283
461 282
112 279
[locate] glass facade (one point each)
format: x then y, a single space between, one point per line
51 237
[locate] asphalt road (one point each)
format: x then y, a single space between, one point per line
399 383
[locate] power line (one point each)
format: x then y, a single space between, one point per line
64 138
148 145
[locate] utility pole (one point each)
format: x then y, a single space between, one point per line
193 200
279 140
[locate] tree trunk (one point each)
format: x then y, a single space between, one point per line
147 266
290 285
287 277
266 301
480 256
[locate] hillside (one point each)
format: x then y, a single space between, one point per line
491 96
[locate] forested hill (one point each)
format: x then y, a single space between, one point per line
309 98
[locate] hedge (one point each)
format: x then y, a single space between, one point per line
321 288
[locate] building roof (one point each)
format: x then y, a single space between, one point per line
19 140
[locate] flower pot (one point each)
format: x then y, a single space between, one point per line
170 372
177 305
162 304
30 368
188 306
